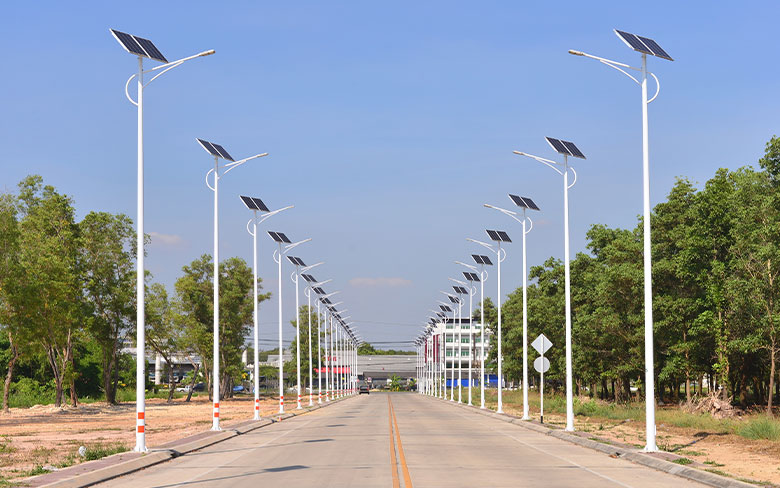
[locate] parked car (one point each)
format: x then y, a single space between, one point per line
363 388
239 389
199 387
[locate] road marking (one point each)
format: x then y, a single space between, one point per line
393 461
404 467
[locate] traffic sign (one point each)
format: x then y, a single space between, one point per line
541 344
541 364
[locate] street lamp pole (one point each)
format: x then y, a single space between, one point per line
525 203
132 45
218 152
566 149
644 46
255 204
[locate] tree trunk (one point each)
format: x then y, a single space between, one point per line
687 386
9 376
192 382
51 356
171 386
771 389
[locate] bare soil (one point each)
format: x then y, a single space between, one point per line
44 435
756 461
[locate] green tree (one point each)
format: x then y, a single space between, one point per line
195 304
108 274
303 315
49 275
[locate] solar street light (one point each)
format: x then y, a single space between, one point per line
483 275
285 246
498 236
143 48
307 291
300 266
456 301
472 290
460 290
218 152
325 299
257 205
525 203
644 46
566 149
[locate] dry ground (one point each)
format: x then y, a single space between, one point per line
738 457
45 435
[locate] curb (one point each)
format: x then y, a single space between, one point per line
162 454
636 457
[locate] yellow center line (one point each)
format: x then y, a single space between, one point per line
404 467
393 462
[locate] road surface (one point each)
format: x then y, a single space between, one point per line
396 440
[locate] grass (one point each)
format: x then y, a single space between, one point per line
760 428
755 427
98 451
683 461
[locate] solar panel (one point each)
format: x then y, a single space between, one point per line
643 45
493 235
471 276
453 299
460 289
530 203
151 49
565 147
209 148
504 236
138 46
477 258
486 260
319 291
260 205
445 308
558 146
309 278
518 201
129 43
250 204
224 154
296 261
657 51
284 238
633 42
275 236
573 149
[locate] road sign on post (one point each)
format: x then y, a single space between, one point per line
541 364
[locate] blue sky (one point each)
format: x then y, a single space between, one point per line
388 126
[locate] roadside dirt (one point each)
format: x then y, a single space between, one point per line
44 435
722 453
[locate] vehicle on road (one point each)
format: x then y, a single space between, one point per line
363 388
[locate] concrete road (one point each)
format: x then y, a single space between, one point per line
397 440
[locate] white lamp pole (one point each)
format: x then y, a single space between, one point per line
525 220
644 46
278 254
209 147
563 169
500 257
253 232
130 44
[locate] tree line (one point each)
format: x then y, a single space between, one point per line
67 301
716 302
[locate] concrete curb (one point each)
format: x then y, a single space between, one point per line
160 455
637 457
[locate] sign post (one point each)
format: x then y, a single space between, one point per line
541 364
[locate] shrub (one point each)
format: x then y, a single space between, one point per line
27 392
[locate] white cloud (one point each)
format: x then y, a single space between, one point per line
379 282
166 239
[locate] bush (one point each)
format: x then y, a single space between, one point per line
760 428
27 392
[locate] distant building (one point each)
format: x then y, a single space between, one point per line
382 367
